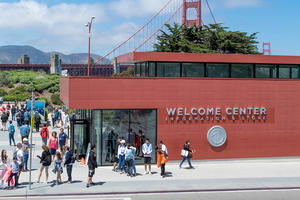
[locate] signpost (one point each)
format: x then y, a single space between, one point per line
31 130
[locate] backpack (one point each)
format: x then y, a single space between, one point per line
44 133
11 128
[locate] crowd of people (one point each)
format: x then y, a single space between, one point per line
57 153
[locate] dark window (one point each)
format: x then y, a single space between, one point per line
143 69
193 70
217 70
168 69
265 71
295 72
284 71
242 71
137 69
151 69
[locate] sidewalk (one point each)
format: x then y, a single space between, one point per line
207 176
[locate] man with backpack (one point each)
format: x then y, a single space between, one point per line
37 121
4 119
11 133
44 134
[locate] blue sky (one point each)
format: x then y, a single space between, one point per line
58 25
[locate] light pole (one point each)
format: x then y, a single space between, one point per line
89 25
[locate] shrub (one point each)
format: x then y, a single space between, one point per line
54 89
17 97
3 80
56 99
2 92
42 86
30 88
25 80
10 85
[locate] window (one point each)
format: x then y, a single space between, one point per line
168 69
151 69
218 70
193 70
295 72
284 71
242 71
137 69
143 70
265 71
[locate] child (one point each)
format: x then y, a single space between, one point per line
58 167
4 164
14 173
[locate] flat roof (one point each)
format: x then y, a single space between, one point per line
135 57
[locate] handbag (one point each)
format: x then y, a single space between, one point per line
184 153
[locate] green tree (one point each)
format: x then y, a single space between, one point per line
213 38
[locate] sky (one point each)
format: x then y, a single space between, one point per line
58 25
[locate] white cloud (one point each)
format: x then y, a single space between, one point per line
137 8
242 3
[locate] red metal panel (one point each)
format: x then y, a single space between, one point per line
278 136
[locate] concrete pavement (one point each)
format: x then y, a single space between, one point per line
208 176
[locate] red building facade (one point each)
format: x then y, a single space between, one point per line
260 115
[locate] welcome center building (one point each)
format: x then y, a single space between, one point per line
228 105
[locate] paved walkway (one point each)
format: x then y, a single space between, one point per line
219 175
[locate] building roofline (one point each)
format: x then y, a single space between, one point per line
134 57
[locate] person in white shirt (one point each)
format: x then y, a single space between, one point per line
164 148
20 160
121 156
147 151
14 173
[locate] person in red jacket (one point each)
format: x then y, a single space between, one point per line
44 134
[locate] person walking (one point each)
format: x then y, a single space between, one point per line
24 130
147 151
18 153
4 165
92 165
46 162
116 157
58 167
63 141
162 159
69 161
14 173
11 133
26 117
13 113
53 144
121 155
25 148
186 154
44 134
129 157
37 121
4 119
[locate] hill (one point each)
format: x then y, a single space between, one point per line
11 53
18 85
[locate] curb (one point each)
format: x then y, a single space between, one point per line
154 192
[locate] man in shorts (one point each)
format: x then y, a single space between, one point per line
92 164
147 151
63 141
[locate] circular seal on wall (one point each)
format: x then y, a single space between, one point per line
216 136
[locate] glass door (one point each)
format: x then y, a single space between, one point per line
79 132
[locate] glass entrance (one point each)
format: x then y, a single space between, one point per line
79 133
118 123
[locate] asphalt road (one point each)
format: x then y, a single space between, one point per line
231 195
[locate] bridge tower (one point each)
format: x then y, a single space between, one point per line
266 48
191 4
